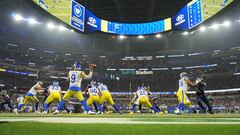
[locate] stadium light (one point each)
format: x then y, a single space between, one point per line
158 36
202 28
185 33
122 37
226 23
18 17
140 37
61 28
50 25
32 21
214 26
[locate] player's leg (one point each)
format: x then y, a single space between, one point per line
133 108
26 101
79 96
149 105
102 99
205 100
198 98
96 102
61 104
187 102
140 107
180 95
49 100
90 101
110 101
36 101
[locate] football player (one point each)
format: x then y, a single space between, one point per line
201 97
106 96
141 98
54 92
93 93
21 107
75 77
184 85
31 95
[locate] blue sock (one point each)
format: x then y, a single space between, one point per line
180 106
154 109
116 107
27 108
20 106
36 106
100 107
133 107
45 107
60 105
86 108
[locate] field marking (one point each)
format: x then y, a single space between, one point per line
105 120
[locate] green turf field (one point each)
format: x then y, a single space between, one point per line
211 7
61 9
115 124
32 128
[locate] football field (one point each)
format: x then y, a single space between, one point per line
115 124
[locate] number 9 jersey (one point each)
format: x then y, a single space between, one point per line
75 80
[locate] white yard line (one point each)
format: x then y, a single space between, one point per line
105 120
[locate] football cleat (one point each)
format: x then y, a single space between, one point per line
56 112
99 112
91 113
177 112
44 112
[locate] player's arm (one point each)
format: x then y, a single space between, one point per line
86 90
89 76
134 98
68 78
99 92
189 83
60 90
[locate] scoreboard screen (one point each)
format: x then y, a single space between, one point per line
79 17
194 13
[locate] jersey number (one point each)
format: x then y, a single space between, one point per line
73 78
93 91
55 88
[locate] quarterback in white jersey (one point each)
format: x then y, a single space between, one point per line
184 85
141 97
75 77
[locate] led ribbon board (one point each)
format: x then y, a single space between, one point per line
74 14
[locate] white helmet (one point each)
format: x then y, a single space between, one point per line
183 74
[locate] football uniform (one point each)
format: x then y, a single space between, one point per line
182 90
74 89
105 95
93 95
54 94
31 95
143 97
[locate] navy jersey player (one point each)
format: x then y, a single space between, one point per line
200 91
